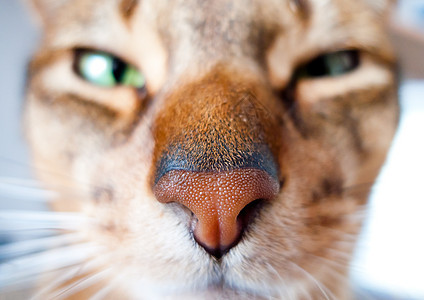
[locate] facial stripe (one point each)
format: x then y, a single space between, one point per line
127 9
302 7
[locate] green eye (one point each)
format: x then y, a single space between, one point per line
331 64
106 70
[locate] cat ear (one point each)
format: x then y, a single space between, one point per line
44 10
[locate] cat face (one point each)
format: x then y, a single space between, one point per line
219 148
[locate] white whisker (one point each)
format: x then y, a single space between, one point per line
27 182
340 254
336 269
41 170
14 236
104 291
26 268
337 262
14 220
38 215
25 192
28 190
69 274
82 284
283 288
33 245
324 290
74 272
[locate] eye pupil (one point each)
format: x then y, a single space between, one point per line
331 64
118 69
103 69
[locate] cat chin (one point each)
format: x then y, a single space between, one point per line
212 291
216 284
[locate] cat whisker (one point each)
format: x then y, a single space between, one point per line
27 190
337 262
88 267
322 288
21 248
64 277
15 220
64 175
283 291
23 182
37 227
82 284
343 253
105 290
336 269
17 190
336 274
50 194
39 215
18 271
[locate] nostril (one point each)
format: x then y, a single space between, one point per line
249 213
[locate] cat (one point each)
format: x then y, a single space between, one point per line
208 149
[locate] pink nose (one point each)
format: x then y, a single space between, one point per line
216 199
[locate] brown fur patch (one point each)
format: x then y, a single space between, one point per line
219 117
127 9
302 8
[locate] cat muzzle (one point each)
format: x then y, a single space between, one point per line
216 157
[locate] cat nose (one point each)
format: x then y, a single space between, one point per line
222 201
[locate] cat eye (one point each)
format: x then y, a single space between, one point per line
106 70
330 64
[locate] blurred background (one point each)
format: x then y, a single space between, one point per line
390 256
